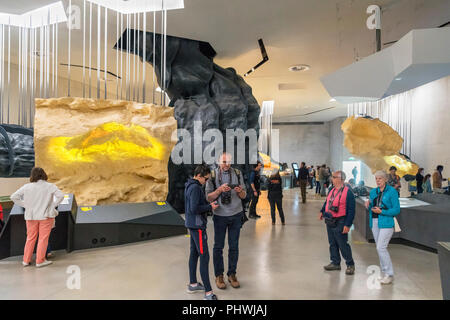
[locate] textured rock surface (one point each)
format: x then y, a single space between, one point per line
199 90
377 144
16 151
105 151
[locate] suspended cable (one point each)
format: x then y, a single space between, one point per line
144 54
98 49
106 51
70 34
154 54
84 49
90 50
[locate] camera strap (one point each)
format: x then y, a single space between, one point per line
333 196
379 199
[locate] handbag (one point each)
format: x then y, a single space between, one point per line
396 226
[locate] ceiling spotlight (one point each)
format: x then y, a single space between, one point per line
299 67
398 79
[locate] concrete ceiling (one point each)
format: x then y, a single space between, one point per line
325 34
22 6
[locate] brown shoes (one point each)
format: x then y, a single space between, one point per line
220 283
234 281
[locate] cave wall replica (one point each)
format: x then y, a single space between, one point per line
105 151
199 90
377 144
16 151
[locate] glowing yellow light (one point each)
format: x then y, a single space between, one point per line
113 141
403 165
85 209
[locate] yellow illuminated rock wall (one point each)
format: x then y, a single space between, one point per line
105 151
376 144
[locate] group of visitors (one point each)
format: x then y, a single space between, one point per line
222 191
338 211
322 179
423 181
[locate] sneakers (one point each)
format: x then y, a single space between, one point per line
191 289
233 281
211 296
350 270
25 264
387 280
43 264
220 283
332 267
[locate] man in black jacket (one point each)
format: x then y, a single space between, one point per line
303 175
256 186
196 208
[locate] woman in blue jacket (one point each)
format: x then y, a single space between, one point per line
383 207
196 208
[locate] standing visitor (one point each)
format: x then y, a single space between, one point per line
419 180
256 186
427 184
338 211
318 180
323 177
303 177
312 177
383 206
275 196
394 179
227 217
39 198
437 177
355 174
196 221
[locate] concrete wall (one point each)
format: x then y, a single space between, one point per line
309 143
431 126
338 153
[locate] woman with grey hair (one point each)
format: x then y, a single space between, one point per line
383 206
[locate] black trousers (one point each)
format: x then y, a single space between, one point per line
278 202
253 203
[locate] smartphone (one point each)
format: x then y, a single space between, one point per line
232 186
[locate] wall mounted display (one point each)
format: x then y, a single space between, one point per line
105 151
377 144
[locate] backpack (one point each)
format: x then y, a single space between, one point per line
245 201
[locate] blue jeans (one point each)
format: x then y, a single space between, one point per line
199 249
339 244
221 224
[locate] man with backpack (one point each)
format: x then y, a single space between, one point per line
226 186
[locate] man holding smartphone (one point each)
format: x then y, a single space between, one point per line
227 217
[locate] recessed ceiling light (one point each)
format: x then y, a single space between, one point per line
299 67
332 100
398 79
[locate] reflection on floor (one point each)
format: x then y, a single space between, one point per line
275 262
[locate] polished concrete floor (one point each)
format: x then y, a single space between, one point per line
275 262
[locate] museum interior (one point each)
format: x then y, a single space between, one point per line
135 136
